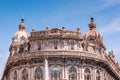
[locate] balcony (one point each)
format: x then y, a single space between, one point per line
61 53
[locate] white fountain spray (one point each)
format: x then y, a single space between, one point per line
46 70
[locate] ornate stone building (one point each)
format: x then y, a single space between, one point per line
60 54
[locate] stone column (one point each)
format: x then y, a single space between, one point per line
46 70
80 73
102 75
63 72
19 74
32 71
93 74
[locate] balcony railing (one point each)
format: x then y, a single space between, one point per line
76 54
37 54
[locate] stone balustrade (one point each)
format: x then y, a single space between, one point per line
77 54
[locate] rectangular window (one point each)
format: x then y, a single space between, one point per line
55 46
39 46
72 46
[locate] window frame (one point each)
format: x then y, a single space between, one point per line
39 46
72 46
55 45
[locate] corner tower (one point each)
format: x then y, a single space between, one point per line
20 37
93 39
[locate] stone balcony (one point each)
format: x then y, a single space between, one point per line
61 53
64 54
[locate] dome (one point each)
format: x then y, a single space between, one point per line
93 33
92 25
21 35
22 25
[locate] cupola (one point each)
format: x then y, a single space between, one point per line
92 25
22 25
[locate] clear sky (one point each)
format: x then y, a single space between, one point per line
56 13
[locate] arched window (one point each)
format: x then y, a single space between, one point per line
24 74
22 41
91 40
72 73
21 50
97 75
55 73
87 74
38 74
15 75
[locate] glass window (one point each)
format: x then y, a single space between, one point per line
87 74
55 46
24 74
39 46
15 75
22 41
72 73
55 73
72 45
38 74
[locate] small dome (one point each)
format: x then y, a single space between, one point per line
93 33
92 25
21 35
22 25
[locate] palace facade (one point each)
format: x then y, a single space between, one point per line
60 54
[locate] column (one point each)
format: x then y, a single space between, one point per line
19 74
102 75
64 73
32 71
46 70
80 73
93 74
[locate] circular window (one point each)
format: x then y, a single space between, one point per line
22 41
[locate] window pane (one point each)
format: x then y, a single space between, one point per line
55 73
55 46
39 46
38 74
22 41
87 74
72 46
72 73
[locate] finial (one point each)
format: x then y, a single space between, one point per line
22 20
63 27
92 25
92 19
47 27
33 29
78 29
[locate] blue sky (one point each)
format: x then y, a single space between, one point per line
56 13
